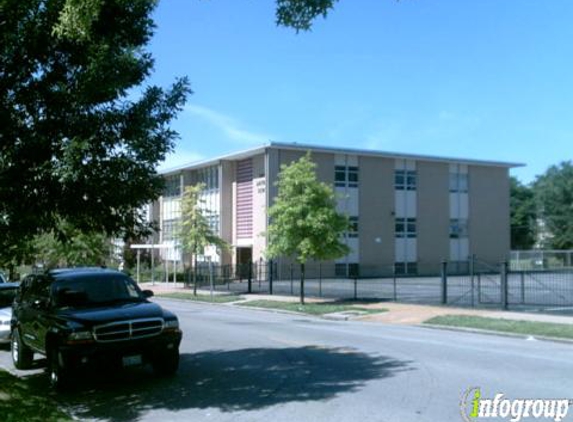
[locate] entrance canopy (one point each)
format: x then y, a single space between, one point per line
152 246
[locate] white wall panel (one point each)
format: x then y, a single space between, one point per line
400 250
405 250
459 249
406 203
354 255
352 202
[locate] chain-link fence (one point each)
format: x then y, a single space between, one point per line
541 260
475 284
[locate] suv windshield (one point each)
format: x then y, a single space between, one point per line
94 291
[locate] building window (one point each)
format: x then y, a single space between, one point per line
405 179
405 268
405 228
350 270
168 230
458 228
209 176
172 186
353 227
458 182
346 176
213 221
458 267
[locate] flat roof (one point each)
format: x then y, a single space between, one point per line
336 150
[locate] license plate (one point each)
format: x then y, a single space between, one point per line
132 360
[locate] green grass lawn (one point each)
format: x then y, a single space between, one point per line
19 401
201 298
546 329
310 308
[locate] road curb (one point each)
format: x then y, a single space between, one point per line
496 333
237 304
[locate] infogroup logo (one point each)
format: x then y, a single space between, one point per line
474 407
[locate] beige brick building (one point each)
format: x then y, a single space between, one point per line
409 212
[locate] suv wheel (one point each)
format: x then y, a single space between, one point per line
22 355
59 376
166 364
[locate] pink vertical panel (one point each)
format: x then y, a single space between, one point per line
244 208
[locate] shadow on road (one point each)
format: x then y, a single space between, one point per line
246 379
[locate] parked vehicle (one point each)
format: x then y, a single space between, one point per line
7 294
91 317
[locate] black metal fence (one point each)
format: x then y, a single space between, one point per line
474 284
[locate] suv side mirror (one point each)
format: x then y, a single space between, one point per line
147 293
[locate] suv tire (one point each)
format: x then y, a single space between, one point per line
167 363
58 375
22 355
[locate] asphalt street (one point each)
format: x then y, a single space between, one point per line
249 365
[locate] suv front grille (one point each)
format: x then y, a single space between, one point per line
128 330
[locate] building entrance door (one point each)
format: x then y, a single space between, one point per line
244 258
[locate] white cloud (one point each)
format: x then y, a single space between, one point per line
231 127
179 158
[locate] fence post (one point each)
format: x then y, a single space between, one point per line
394 286
260 271
250 281
271 277
522 280
355 287
319 279
444 282
291 280
479 288
504 289
472 271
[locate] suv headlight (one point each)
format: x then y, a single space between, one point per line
80 337
171 324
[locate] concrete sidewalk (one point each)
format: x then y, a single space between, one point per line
398 313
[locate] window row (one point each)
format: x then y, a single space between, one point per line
405 179
172 186
458 228
346 176
406 228
405 268
346 270
169 229
351 270
209 176
458 182
170 226
213 220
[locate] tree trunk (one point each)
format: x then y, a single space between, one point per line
302 284
195 275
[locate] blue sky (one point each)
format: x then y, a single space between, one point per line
482 79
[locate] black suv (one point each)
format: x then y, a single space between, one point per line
85 317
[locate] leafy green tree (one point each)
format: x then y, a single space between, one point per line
77 16
554 193
195 233
523 215
80 137
76 248
304 223
300 14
